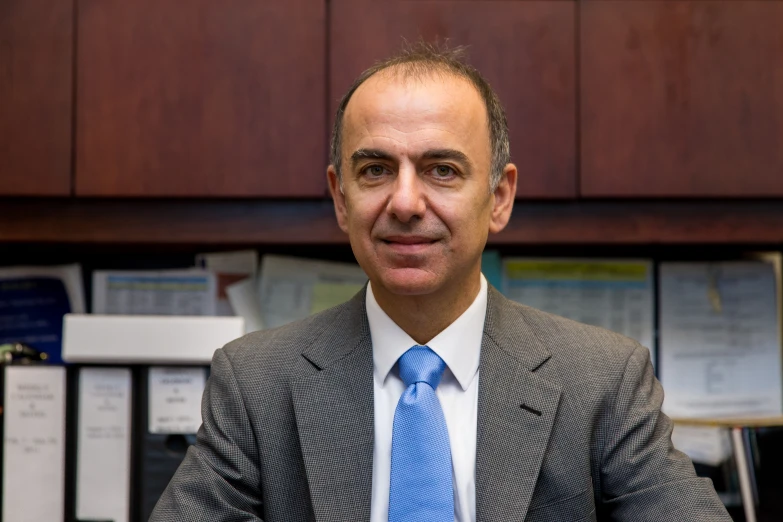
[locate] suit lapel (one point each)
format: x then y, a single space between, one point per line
334 417
516 412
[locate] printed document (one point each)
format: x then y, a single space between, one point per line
243 297
293 288
613 294
175 398
164 292
34 443
103 452
720 339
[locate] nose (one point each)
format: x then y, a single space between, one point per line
407 199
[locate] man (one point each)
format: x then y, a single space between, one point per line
429 396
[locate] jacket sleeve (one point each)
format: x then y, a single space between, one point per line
643 478
219 479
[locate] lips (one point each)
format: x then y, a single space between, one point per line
408 245
409 240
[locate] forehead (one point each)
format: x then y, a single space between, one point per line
410 114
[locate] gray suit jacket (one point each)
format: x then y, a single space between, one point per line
288 427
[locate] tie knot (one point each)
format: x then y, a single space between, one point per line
420 364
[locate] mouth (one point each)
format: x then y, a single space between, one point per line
408 240
408 244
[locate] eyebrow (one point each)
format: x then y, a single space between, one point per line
432 154
369 153
446 154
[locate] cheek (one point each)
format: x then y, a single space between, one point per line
362 217
361 222
467 219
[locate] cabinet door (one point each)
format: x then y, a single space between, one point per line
682 98
36 97
203 98
525 49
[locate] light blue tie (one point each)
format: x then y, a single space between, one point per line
421 486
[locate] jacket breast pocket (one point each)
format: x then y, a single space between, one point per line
577 508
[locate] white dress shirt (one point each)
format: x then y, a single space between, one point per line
459 345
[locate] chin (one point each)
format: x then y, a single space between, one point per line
410 281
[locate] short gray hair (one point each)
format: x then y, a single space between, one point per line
421 59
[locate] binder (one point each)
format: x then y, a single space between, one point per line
159 441
169 419
103 456
34 444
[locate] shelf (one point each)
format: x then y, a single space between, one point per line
737 422
236 222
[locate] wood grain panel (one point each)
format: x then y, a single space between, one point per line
201 98
36 97
524 48
682 98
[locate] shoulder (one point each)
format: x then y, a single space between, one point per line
566 338
278 351
577 351
589 364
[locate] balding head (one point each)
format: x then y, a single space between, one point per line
421 62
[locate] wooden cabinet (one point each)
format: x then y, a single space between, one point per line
36 94
203 98
681 98
524 48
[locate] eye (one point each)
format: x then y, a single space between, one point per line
374 171
443 171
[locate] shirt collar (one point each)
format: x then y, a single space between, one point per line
459 345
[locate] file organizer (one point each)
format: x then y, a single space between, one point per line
131 345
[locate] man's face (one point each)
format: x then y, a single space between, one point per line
415 197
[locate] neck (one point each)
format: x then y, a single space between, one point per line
425 316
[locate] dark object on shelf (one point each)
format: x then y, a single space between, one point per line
20 353
158 455
767 452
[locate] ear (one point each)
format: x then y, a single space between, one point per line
503 198
338 197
